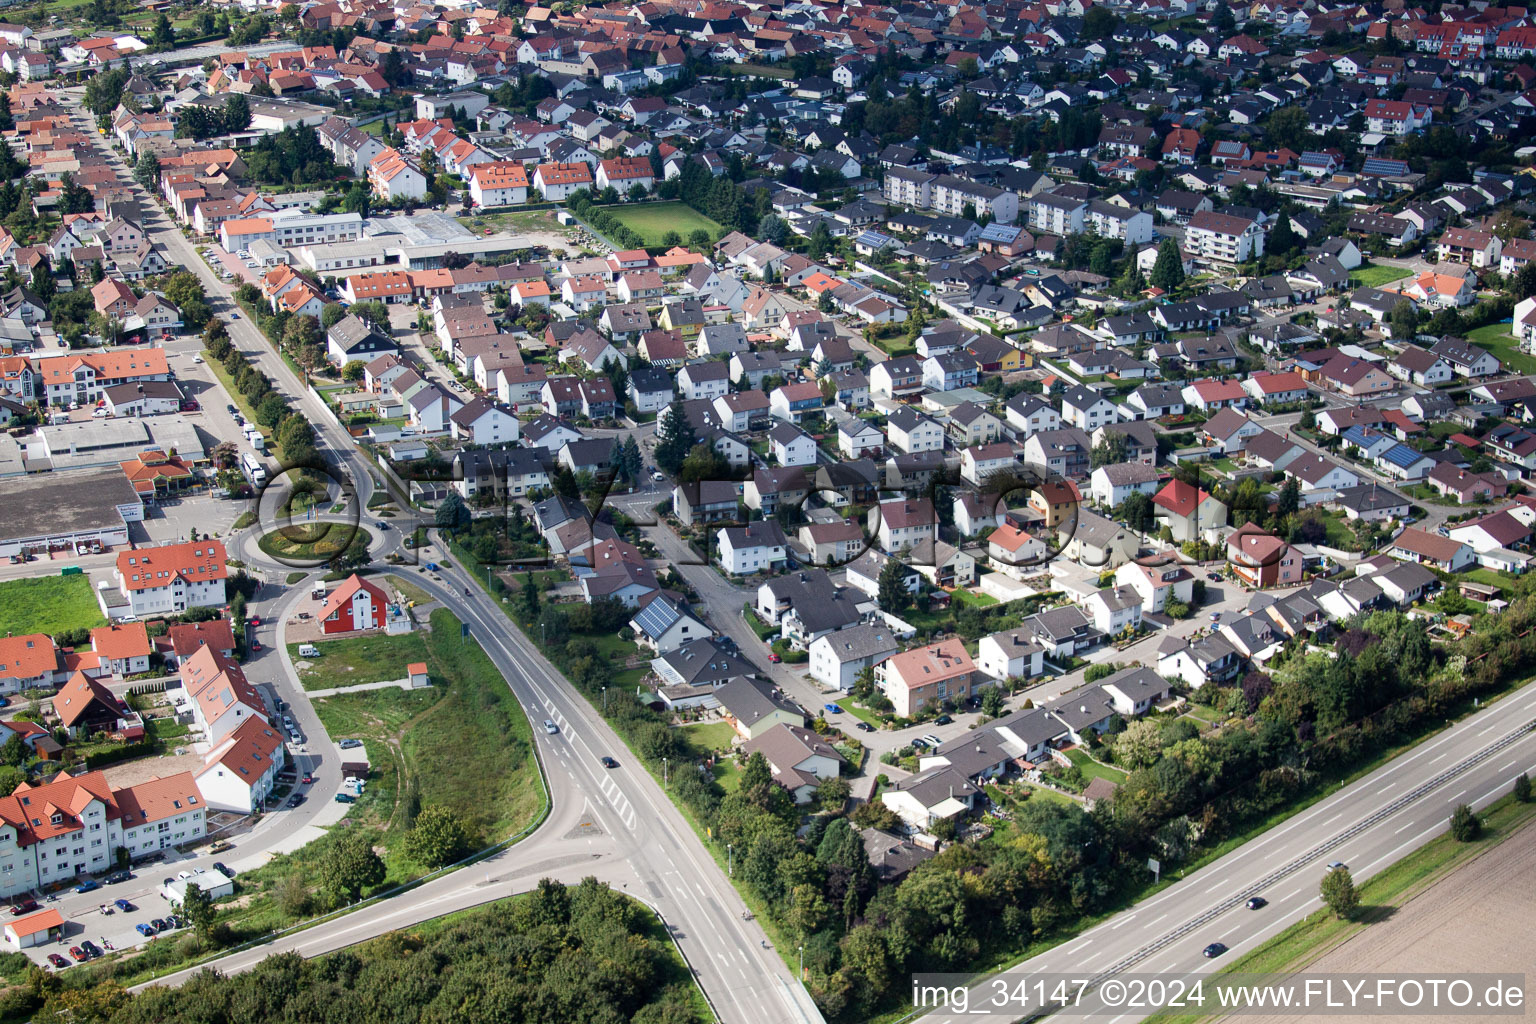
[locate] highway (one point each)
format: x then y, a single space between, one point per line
1368 825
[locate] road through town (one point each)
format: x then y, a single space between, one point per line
613 824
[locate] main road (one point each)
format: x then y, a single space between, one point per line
1368 825
613 824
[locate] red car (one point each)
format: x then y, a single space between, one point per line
57 961
254 620
255 645
77 953
773 657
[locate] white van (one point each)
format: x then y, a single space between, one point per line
308 651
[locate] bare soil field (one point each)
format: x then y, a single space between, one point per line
1475 920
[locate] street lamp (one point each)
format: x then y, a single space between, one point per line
730 861
802 962
663 771
605 700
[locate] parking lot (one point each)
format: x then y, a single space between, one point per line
117 929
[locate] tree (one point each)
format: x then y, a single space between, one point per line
1308 420
374 313
183 287
1522 790
15 751
1137 512
1100 22
700 239
42 281
703 463
438 837
1112 450
1140 745
331 314
1289 498
675 438
350 866
891 592
833 794
1404 320
1339 894
359 199
1466 826
1282 239
354 371
74 197
1168 271
146 170
197 906
992 701
452 513
301 332
1132 281
164 33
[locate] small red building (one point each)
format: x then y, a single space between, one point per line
356 604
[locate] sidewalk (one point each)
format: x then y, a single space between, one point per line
404 684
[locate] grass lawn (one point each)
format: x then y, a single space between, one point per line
1375 275
1054 796
710 735
315 544
1338 534
234 394
514 220
861 712
1092 769
166 728
1307 940
762 70
728 775
359 659
1488 576
48 604
974 600
408 590
464 743
652 221
1497 340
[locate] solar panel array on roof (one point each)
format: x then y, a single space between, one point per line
1383 167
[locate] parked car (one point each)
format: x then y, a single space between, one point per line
124 905
609 762
943 720
345 798
89 885
296 799
25 907
774 657
864 727
90 948
308 779
220 846
57 961
144 929
349 744
118 876
160 924
77 954
223 869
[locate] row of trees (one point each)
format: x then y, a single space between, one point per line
577 953
292 433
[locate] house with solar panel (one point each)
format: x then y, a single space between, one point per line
664 626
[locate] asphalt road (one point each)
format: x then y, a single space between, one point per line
1368 825
613 824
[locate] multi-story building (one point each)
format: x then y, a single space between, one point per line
173 577
53 832
1223 238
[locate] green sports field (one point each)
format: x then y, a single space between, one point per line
652 221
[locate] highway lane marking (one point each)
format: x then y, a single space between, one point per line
1336 817
1294 892
1407 826
1458 796
1511 764
1490 729
1219 885
1081 945
1128 919
1383 789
